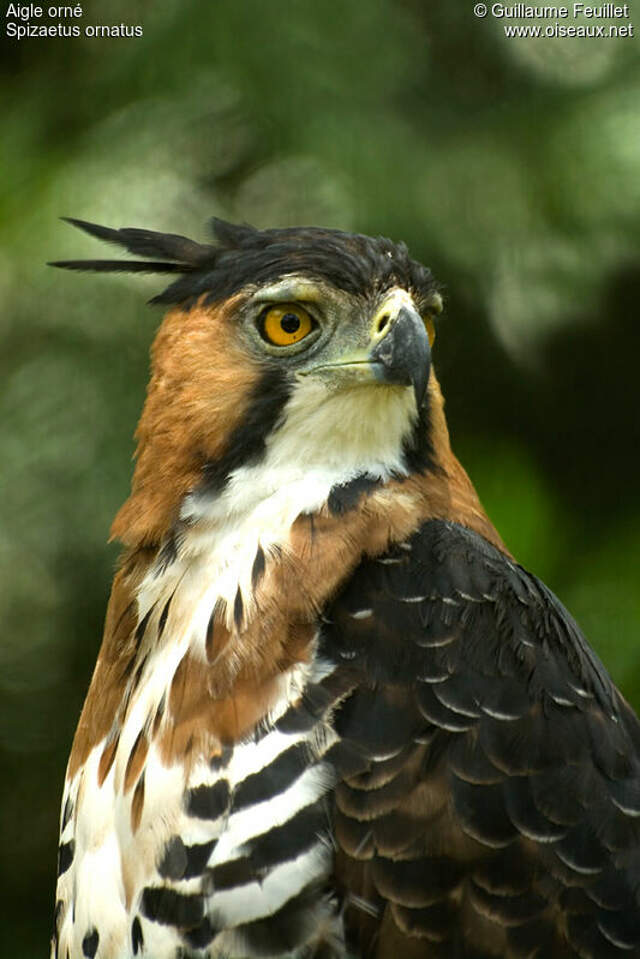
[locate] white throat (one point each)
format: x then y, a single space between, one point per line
325 439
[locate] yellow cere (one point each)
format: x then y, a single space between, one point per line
286 324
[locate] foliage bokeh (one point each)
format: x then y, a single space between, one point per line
509 166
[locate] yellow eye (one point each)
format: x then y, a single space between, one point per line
286 324
430 328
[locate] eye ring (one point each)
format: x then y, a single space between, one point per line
285 324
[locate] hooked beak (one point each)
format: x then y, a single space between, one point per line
402 354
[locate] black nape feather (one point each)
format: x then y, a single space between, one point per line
243 255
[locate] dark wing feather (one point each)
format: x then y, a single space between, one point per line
496 807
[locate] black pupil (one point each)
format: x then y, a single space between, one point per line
290 323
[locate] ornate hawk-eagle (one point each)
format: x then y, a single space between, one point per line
331 715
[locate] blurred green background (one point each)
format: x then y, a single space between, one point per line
511 167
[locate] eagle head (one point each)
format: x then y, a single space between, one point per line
303 350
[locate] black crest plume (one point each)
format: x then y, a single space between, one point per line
243 255
179 254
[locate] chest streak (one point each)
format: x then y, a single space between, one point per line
201 839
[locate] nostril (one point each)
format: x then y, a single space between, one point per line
382 322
